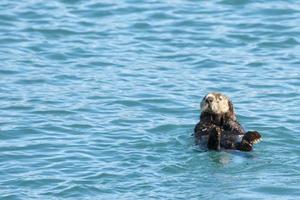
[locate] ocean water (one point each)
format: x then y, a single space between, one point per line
98 99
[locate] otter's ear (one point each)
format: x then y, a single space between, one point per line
231 110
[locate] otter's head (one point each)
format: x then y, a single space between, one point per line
219 104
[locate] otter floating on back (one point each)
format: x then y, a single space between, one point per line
218 127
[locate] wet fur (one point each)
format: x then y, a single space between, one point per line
221 129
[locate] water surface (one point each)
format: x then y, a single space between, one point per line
98 99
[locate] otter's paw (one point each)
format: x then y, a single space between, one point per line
214 139
244 146
252 137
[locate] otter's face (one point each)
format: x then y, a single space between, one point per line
216 103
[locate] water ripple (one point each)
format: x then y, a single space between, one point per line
99 99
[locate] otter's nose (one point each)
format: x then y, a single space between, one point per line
209 99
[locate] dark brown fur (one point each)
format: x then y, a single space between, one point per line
223 130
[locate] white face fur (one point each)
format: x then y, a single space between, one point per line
215 103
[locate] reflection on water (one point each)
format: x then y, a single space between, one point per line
220 158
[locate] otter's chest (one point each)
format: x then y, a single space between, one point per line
228 139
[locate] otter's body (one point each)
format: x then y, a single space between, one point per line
218 127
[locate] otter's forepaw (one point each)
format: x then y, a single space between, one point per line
244 146
252 137
214 139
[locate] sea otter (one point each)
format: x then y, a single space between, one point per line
218 126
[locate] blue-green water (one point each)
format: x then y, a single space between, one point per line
98 99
